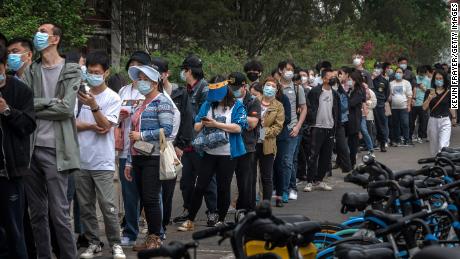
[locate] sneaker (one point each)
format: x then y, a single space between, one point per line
212 219
371 153
285 197
117 252
308 187
293 195
279 203
91 251
186 226
181 218
383 148
274 194
153 242
125 241
420 141
323 186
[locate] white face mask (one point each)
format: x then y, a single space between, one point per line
357 61
304 79
288 75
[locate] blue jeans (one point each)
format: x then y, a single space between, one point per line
284 164
292 182
366 136
400 124
131 203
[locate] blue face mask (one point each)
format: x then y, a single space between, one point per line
439 83
420 79
2 77
144 87
14 62
398 76
94 80
269 91
41 41
237 93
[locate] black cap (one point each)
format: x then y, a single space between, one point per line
191 61
378 65
141 57
237 80
160 64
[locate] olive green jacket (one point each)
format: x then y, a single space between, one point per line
60 110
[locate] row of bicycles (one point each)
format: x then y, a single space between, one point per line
399 214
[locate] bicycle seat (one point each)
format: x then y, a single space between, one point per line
387 218
353 201
292 218
374 251
401 173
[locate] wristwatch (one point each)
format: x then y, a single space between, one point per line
7 111
97 109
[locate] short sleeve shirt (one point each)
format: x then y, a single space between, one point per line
295 100
324 116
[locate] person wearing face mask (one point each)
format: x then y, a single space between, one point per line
55 148
197 87
323 117
417 112
246 170
256 89
272 121
20 52
94 181
155 114
408 75
400 99
358 62
17 118
131 98
253 70
382 93
320 67
442 118
225 114
288 144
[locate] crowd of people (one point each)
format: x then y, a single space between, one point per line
65 131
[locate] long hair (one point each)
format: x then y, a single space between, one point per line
358 79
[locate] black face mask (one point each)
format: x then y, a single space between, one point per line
333 81
253 76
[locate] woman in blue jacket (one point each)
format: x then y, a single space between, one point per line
224 113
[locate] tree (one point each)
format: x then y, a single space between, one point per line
21 18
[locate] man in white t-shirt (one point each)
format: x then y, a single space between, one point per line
95 120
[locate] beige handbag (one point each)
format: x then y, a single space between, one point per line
144 148
387 109
170 165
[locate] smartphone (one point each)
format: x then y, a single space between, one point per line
82 88
204 118
432 91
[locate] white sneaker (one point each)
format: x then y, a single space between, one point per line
308 187
323 186
91 251
126 242
274 194
117 252
293 195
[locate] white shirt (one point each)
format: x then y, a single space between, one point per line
219 112
97 151
400 93
176 120
130 100
324 116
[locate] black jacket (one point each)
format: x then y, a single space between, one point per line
16 128
253 109
381 90
313 104
355 104
185 133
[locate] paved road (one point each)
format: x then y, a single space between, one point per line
321 206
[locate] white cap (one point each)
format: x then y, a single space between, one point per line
149 71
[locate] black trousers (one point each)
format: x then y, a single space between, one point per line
353 144
222 167
381 122
266 171
167 194
304 154
245 175
12 244
149 186
192 165
320 154
417 112
342 150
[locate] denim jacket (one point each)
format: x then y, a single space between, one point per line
239 116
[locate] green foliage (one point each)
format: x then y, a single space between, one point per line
22 18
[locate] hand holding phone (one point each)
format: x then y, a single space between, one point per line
205 119
82 88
